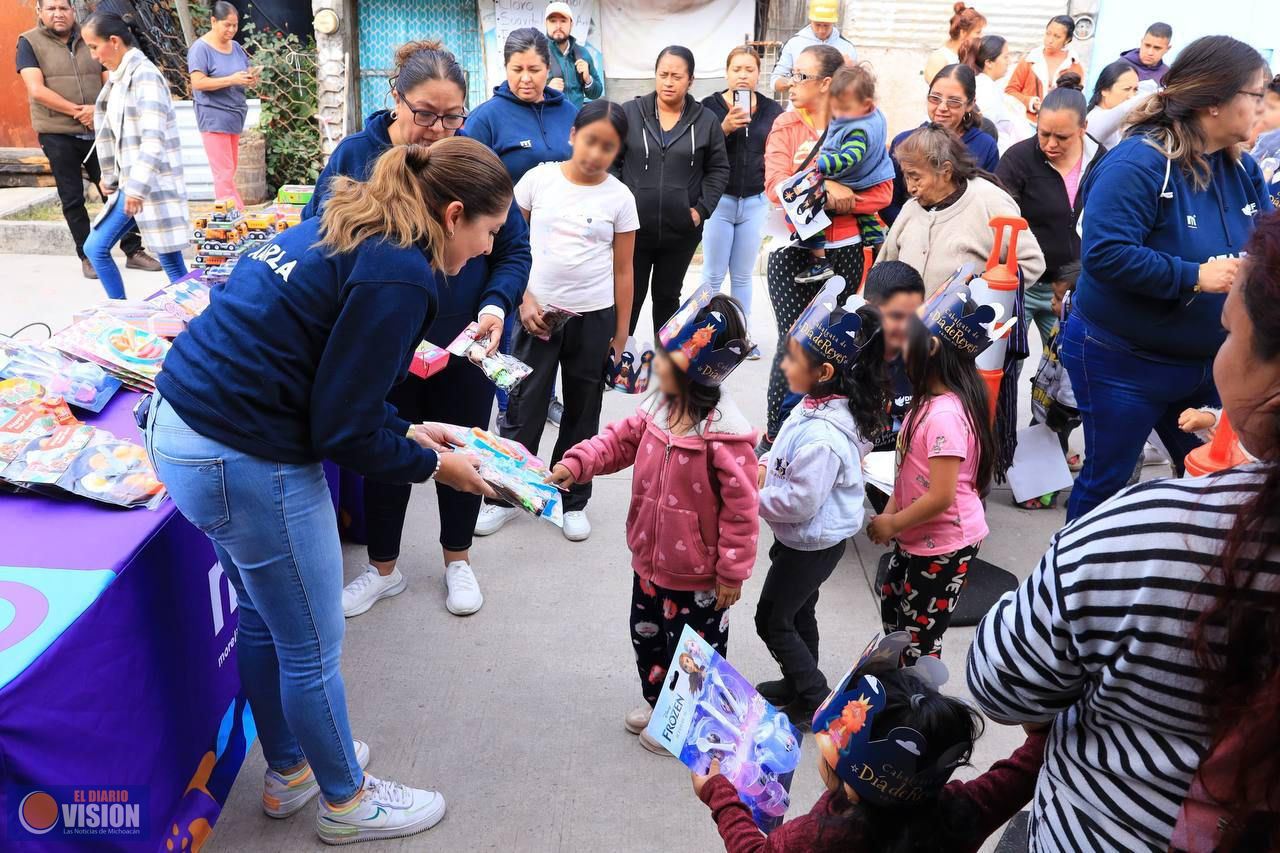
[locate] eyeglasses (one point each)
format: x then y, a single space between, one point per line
1258 95
952 103
427 118
801 77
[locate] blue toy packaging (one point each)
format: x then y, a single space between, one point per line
708 710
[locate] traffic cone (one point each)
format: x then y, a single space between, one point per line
1218 455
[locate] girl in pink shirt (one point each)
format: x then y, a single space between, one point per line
935 519
694 523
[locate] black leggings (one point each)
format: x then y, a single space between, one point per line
789 299
667 265
459 395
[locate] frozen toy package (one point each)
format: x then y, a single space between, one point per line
80 383
708 710
114 472
515 474
45 459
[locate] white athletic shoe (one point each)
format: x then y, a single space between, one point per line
577 526
464 590
493 517
370 588
636 720
282 797
386 809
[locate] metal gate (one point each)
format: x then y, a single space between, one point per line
387 24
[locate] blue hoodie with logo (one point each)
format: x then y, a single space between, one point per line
498 278
522 134
1146 230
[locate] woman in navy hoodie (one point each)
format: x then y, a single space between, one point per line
525 122
952 103
291 365
1166 213
429 90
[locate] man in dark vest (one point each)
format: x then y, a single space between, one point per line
63 81
572 70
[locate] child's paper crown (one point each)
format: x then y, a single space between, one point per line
890 771
631 372
830 329
695 341
956 317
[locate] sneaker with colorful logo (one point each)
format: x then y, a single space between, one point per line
385 809
285 795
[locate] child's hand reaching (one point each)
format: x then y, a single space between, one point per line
727 596
700 780
882 528
1195 420
560 477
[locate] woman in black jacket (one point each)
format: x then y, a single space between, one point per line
675 164
731 238
1043 174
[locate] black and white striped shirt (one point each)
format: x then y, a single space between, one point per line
1096 641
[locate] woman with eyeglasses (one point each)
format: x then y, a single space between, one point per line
1166 214
429 91
951 103
793 145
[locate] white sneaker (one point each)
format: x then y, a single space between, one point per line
385 809
1152 455
282 797
370 588
653 746
464 591
493 517
577 526
636 720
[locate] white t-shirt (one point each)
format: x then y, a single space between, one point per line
571 231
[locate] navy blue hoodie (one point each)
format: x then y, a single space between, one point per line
522 134
498 278
1146 231
293 359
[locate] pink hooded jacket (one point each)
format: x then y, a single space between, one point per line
695 504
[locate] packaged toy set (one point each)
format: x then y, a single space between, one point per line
515 474
505 371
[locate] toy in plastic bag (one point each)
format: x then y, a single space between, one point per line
19 427
554 317
505 371
147 316
130 353
44 460
114 472
515 474
708 710
631 372
80 383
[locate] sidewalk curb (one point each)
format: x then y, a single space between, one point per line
35 238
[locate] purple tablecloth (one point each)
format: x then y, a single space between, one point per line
138 696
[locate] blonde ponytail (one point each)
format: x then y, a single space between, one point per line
404 199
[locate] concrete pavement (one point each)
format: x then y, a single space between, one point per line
515 713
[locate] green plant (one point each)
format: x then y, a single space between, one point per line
287 87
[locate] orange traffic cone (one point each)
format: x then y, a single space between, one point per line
1218 455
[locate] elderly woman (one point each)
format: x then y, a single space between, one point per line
1044 174
1149 635
674 162
1166 214
429 93
141 156
951 103
220 72
792 145
525 122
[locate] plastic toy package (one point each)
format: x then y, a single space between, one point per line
130 353
555 317
295 193
708 710
185 298
515 474
630 373
19 426
145 315
45 459
428 360
80 383
114 472
505 371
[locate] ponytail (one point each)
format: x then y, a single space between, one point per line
403 200
108 24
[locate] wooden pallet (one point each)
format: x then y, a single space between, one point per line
24 167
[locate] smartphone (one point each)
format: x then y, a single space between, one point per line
742 100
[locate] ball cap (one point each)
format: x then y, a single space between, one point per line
558 8
824 11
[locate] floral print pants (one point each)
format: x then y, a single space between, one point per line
658 617
919 594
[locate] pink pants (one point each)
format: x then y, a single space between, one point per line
223 150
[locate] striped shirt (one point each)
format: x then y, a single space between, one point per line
1095 641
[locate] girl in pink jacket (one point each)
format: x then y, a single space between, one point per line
693 524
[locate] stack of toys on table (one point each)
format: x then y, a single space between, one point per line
223 235
515 474
44 448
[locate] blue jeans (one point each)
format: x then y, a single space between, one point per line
1122 395
105 235
274 531
731 242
